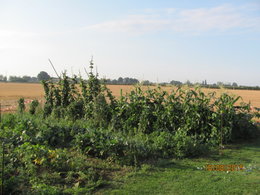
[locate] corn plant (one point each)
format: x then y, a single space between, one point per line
205 117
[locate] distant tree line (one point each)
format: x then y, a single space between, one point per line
26 79
23 79
122 81
3 78
130 81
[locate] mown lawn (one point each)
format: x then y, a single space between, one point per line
189 176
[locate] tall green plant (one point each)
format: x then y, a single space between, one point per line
21 105
34 104
204 117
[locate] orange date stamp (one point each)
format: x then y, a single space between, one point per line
231 167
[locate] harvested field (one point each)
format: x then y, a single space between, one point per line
252 96
11 92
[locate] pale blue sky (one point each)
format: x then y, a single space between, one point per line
156 40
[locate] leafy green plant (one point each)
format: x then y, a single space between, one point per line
21 105
34 104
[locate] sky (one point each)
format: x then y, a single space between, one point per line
151 40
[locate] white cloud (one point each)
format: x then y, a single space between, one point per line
218 19
132 24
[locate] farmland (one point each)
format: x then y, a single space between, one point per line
11 92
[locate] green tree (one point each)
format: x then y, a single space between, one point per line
3 78
234 84
175 82
43 76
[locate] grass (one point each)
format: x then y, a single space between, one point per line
188 176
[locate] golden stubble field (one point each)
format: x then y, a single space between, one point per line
11 92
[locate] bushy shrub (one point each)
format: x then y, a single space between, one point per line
47 109
243 127
21 105
75 110
34 104
57 112
163 144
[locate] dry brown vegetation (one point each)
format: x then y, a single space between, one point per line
11 92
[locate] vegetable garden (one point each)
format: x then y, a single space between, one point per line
55 149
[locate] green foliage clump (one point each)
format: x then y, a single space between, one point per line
191 117
21 105
33 106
